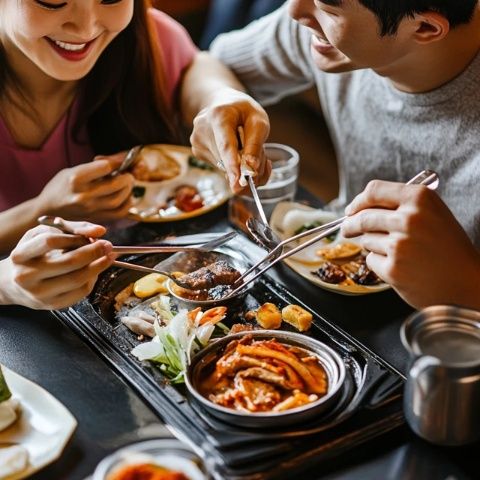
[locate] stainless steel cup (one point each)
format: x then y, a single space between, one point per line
442 393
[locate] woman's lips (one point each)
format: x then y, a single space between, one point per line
71 51
321 45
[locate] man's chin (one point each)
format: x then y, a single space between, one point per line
334 62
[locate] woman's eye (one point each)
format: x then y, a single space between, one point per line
110 2
50 6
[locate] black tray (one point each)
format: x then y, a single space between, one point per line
370 404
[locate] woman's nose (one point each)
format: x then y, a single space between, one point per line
83 23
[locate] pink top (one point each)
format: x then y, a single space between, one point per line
25 172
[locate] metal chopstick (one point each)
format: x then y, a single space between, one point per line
428 178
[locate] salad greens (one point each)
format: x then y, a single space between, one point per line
184 334
197 163
309 226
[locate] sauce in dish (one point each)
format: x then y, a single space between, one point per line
264 376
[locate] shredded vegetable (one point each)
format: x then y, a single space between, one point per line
175 343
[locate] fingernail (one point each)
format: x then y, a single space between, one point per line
107 248
252 161
348 210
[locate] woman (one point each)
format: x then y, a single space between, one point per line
85 79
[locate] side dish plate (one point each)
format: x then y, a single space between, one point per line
44 426
151 199
307 261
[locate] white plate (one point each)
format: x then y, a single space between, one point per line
44 426
211 184
307 261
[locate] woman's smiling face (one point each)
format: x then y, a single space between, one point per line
64 39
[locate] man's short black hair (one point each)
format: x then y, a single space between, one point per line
391 12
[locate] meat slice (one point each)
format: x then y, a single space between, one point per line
205 278
266 376
330 273
229 365
314 383
255 394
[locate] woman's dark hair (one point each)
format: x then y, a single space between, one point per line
391 12
125 100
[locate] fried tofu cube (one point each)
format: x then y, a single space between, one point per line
297 316
269 316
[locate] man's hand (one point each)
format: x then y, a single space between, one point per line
416 244
215 135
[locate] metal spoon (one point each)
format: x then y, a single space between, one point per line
259 229
127 162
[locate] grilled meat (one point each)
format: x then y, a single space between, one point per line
365 276
205 278
330 273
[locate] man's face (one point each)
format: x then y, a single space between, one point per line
347 37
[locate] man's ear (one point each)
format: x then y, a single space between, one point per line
430 27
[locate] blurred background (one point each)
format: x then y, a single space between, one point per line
296 121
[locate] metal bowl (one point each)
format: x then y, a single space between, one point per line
330 360
189 262
166 452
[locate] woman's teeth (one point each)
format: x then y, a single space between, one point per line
72 47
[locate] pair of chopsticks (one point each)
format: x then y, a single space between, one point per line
428 178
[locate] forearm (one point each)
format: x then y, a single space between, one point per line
15 222
5 293
202 81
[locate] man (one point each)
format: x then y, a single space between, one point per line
398 85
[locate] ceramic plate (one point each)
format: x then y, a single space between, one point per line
44 426
283 223
153 205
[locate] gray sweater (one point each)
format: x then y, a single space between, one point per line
378 131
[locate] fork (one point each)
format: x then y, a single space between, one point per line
429 178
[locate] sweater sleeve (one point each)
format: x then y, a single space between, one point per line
271 56
177 48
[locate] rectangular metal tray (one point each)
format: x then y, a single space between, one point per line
370 407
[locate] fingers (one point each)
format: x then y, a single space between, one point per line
256 129
84 174
41 240
373 220
57 263
380 264
65 290
228 152
115 160
379 193
85 229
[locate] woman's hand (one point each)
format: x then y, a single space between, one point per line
416 244
87 192
50 270
215 135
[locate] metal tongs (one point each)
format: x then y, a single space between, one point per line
429 178
59 223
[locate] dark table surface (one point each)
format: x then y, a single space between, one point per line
110 414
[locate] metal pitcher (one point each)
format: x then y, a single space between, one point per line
442 393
